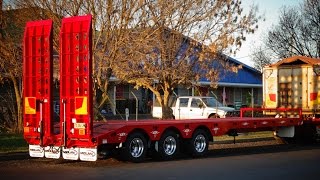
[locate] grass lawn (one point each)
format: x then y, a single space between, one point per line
16 143
12 143
250 135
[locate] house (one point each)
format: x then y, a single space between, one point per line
235 89
239 87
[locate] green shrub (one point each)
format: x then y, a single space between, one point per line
12 143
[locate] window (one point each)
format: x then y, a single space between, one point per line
184 102
195 103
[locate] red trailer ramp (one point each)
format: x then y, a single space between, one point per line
37 89
76 86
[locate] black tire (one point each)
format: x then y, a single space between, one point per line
305 134
199 143
168 146
289 140
135 148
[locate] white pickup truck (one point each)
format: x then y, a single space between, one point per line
196 107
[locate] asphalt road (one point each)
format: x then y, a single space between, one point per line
277 161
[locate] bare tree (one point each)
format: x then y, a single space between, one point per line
261 57
311 12
10 62
297 32
181 42
8 111
168 42
111 21
1 3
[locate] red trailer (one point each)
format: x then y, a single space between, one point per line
78 136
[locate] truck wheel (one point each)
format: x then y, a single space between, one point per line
199 143
168 146
135 148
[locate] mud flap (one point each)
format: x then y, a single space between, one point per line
36 151
53 152
88 154
285 132
70 153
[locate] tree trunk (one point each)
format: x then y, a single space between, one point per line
164 102
19 103
103 85
99 102
167 112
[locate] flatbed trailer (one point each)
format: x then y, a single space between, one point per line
78 136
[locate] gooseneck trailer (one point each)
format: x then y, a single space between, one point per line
77 135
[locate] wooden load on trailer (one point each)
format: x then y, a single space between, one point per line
293 83
78 136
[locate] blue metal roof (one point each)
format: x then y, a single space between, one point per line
246 76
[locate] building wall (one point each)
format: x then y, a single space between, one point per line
124 96
235 96
235 89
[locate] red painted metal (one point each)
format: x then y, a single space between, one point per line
117 131
280 111
37 80
272 97
313 96
75 80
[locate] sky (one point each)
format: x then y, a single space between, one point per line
270 9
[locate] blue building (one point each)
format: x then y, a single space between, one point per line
236 89
239 88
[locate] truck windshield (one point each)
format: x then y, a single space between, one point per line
211 102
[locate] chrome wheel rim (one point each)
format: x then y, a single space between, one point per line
200 143
170 145
136 147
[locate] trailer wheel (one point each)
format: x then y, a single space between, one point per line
168 146
135 148
199 143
